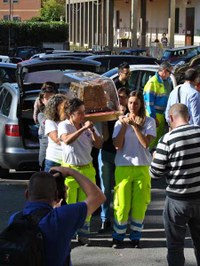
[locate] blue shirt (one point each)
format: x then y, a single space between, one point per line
58 228
188 96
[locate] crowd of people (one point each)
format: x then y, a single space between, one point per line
133 149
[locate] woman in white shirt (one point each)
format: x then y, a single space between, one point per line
131 137
77 138
55 111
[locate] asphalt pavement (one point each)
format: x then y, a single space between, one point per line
100 251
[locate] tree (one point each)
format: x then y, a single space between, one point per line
52 10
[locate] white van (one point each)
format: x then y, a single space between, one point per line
4 59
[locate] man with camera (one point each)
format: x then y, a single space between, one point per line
59 225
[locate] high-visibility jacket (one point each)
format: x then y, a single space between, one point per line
155 96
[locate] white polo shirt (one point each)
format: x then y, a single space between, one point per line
79 151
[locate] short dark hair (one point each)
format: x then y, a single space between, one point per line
125 90
122 66
74 104
191 74
42 186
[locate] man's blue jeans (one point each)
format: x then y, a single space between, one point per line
106 174
177 215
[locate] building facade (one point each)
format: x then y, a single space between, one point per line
19 9
132 23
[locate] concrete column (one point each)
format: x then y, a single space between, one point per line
134 19
171 22
84 24
73 22
88 25
143 23
97 24
92 30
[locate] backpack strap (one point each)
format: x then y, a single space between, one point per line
37 215
179 94
33 217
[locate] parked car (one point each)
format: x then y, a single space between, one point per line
7 72
180 55
4 59
18 134
181 68
110 61
140 74
24 52
138 51
60 53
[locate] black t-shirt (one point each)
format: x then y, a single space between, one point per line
118 84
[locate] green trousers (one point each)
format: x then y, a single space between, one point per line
75 192
132 195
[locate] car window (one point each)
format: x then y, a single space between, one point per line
133 80
7 75
5 100
139 79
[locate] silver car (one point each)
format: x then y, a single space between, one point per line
19 145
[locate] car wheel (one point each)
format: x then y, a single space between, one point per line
4 173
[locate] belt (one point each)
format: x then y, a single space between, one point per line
89 165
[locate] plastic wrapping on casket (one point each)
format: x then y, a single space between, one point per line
98 93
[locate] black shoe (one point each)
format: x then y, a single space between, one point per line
135 243
117 243
83 241
105 227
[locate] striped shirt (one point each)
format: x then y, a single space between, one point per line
177 159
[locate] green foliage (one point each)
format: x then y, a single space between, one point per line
52 10
31 33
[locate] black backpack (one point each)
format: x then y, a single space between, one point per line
21 243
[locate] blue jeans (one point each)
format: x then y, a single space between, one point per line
49 164
106 175
177 215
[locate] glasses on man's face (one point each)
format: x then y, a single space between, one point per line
126 73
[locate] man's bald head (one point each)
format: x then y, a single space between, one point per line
42 186
178 114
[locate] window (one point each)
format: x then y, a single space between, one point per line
8 1
6 17
5 100
16 18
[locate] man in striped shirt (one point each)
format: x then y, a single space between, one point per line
177 158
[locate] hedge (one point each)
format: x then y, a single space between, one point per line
31 33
